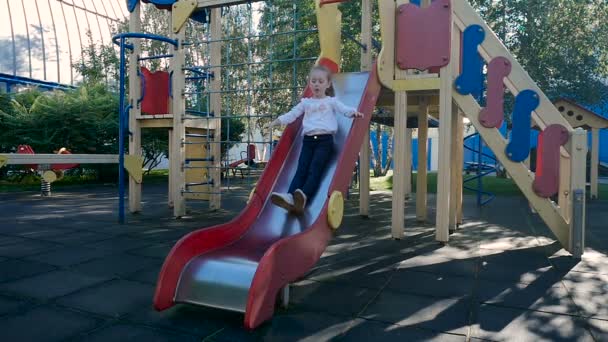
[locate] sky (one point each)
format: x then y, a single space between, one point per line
41 39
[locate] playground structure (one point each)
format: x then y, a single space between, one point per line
52 166
243 265
461 29
194 98
263 242
50 172
578 116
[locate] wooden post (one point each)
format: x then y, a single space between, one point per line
578 182
366 65
563 196
178 108
595 159
135 112
445 140
454 167
527 163
171 186
398 213
408 162
459 165
421 176
216 106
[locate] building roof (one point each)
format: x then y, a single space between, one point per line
579 116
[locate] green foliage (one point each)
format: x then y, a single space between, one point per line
83 120
562 44
99 64
99 67
154 146
5 107
232 130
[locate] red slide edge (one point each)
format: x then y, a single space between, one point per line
209 239
289 259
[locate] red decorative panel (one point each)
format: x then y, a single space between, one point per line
27 149
546 182
155 92
424 35
63 166
492 115
539 155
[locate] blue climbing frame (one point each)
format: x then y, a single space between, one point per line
121 41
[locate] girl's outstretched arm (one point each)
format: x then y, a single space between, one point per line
350 112
290 116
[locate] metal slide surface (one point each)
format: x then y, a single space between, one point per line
241 266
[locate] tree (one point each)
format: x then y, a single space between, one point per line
562 44
83 120
99 64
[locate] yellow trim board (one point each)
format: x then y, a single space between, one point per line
3 161
416 84
386 58
134 165
329 21
181 12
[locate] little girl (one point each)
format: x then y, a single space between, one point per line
319 126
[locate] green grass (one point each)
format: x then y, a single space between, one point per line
32 182
495 185
156 177
498 186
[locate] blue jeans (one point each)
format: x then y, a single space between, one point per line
315 155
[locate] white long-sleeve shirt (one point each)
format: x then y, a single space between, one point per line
319 115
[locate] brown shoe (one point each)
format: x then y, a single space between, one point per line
284 201
299 200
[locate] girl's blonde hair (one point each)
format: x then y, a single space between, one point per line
330 91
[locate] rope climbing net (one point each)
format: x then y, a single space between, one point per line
267 50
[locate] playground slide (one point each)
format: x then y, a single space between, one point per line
243 264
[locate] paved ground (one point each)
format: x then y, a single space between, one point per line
68 272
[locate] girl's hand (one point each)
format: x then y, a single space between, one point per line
356 115
276 122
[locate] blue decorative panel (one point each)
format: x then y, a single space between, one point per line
162 2
470 81
131 4
518 148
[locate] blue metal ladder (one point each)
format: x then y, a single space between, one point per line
481 171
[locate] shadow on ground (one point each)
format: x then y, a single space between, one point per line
68 272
